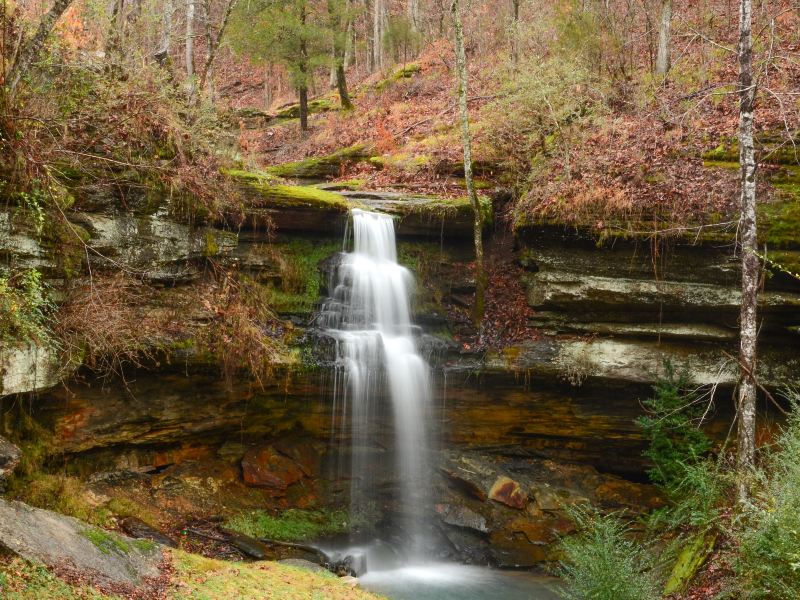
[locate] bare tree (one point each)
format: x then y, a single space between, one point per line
412 10
462 78
31 51
165 44
746 401
664 26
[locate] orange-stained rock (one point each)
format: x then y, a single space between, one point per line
508 492
264 467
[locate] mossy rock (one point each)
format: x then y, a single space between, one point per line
779 222
691 558
410 163
291 207
405 72
773 152
317 105
322 167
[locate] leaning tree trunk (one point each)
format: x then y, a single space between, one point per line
746 402
461 76
33 48
662 58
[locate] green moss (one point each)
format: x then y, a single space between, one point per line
290 525
300 279
404 72
263 193
211 247
321 166
125 507
314 106
106 541
779 222
401 162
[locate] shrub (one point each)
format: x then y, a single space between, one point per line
602 562
769 560
25 308
672 426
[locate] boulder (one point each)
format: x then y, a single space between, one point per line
507 491
10 456
28 368
112 561
267 468
461 516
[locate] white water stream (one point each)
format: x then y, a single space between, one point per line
369 316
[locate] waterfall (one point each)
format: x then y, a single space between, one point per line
368 315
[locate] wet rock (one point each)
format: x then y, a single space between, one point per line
139 529
552 498
461 516
507 491
10 456
304 451
62 542
249 546
468 545
267 468
304 564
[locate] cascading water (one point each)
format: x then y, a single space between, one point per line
369 317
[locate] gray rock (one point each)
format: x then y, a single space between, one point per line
302 563
142 531
28 368
461 516
61 542
10 456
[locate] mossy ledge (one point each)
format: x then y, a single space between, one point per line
322 167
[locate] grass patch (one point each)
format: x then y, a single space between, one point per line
290 525
62 494
200 578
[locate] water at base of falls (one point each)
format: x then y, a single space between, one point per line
368 315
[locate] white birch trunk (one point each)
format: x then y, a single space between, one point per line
746 401
190 48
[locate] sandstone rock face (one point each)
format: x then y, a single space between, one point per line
264 467
63 543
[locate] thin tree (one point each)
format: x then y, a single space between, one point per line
664 27
378 31
746 401
339 13
31 51
515 31
189 47
462 79
215 42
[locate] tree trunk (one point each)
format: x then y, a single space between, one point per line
30 52
113 37
461 75
190 49
378 28
215 43
164 46
412 9
341 85
662 58
515 32
746 404
303 93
